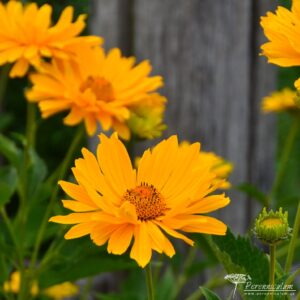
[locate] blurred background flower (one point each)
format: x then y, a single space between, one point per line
27 34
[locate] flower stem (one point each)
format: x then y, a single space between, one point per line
272 269
31 125
3 82
292 244
149 282
288 146
63 170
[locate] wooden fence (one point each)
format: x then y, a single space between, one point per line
208 53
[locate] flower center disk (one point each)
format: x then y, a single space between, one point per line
102 88
148 202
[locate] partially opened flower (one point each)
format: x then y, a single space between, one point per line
146 118
167 195
99 88
284 100
217 164
283 32
26 35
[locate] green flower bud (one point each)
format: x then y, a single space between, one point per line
272 227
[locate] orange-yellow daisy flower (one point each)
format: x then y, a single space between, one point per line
26 35
283 32
99 88
168 194
280 101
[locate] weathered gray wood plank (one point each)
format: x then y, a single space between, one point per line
214 80
262 138
202 48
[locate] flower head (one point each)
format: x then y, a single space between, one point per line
283 32
167 195
26 35
62 291
146 118
272 227
217 164
98 88
284 100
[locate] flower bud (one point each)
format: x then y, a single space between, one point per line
272 227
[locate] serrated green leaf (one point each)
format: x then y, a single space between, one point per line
239 255
8 183
10 151
208 294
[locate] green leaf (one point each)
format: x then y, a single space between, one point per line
5 120
10 151
208 294
239 255
35 174
253 192
81 258
165 288
8 183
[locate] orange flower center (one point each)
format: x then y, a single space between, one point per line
148 202
100 87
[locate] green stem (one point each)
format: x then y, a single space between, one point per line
288 146
272 269
149 282
3 82
293 242
30 140
31 125
63 170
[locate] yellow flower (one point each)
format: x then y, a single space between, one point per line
26 35
218 165
99 88
167 195
56 292
13 285
283 32
146 118
284 100
62 291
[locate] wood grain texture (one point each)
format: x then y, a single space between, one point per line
202 48
262 138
